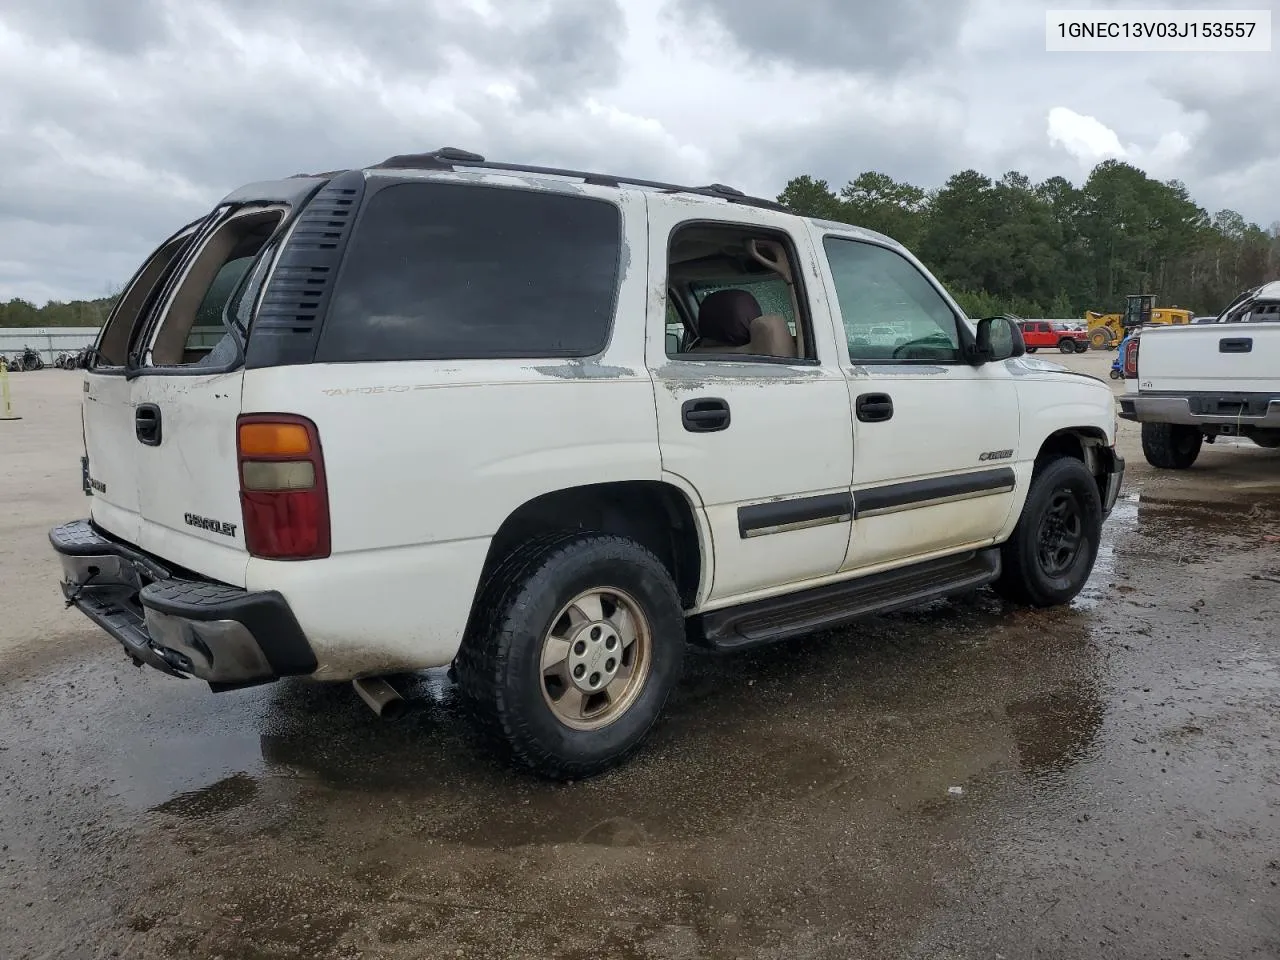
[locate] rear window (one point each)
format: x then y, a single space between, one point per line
443 271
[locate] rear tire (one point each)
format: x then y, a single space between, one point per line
1048 559
1171 446
586 606
1032 349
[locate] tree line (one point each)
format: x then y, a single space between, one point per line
55 313
1047 249
1052 249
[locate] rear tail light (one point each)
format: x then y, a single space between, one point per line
283 492
1131 358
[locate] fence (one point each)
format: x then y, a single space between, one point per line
49 341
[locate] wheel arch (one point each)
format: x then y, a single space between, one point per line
655 513
1087 444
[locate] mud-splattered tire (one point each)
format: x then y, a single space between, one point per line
1100 339
1051 553
1171 446
532 607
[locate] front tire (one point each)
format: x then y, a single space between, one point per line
1171 446
575 646
1100 339
1048 559
1066 345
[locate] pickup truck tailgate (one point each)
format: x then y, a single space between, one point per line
1216 357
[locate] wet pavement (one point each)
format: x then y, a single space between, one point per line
964 780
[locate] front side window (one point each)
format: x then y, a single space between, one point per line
448 271
878 291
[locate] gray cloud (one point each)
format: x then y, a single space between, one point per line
563 48
118 128
1238 108
851 36
125 29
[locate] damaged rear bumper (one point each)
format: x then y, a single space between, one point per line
179 624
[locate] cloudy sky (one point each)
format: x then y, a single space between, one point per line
122 119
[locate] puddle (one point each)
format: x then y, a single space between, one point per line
1056 729
218 797
1102 579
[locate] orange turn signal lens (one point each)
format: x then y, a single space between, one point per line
274 440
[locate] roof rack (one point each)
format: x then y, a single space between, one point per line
449 157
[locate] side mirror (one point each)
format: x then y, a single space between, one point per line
999 338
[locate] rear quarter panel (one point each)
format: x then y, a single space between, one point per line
426 459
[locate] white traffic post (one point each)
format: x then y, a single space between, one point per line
6 409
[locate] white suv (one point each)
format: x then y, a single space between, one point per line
546 426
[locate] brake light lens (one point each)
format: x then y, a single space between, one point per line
284 496
1131 358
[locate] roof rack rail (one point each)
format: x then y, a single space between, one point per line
448 157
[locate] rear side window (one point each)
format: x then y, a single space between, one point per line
444 271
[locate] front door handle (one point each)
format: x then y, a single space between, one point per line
874 407
704 415
146 423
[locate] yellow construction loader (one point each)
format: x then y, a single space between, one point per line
1108 329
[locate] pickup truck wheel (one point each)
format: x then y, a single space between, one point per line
1051 553
1171 446
574 651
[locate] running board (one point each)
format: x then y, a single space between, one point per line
837 604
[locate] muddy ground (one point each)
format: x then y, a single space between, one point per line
1117 765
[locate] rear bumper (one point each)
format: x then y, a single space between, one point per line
1244 410
179 624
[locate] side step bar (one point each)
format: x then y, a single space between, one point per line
837 604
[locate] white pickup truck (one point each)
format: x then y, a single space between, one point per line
1190 384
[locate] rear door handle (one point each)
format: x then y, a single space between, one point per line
704 415
874 407
146 423
1235 345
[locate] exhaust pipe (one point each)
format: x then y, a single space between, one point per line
380 696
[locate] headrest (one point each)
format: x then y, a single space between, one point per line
726 316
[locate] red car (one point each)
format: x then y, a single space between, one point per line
1045 333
